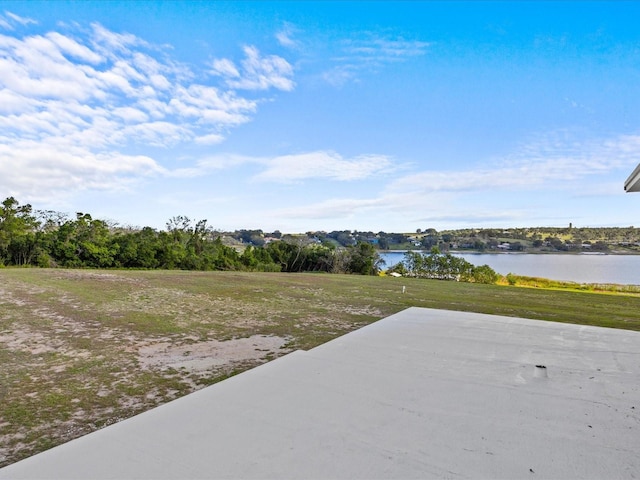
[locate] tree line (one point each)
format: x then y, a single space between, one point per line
538 239
51 239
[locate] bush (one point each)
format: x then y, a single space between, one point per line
485 274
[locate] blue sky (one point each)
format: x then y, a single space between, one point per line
304 116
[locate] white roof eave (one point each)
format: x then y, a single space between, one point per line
633 182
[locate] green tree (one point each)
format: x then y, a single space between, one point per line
248 258
363 259
139 249
282 253
440 266
17 233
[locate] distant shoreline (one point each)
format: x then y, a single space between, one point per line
497 252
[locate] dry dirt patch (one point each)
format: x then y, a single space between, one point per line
202 356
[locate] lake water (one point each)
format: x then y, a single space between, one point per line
581 268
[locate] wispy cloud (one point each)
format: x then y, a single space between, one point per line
255 72
496 193
19 19
10 20
322 165
547 163
296 168
473 218
370 53
377 49
213 163
285 36
111 43
73 102
342 208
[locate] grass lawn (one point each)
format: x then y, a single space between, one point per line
81 349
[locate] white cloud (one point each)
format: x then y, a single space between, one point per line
112 43
209 105
12 103
319 165
68 97
211 139
213 163
340 75
9 20
38 170
510 191
71 47
395 211
19 19
256 72
285 36
330 209
322 165
481 217
131 115
225 68
156 134
547 163
382 49
370 53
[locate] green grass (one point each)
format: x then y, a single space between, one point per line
70 340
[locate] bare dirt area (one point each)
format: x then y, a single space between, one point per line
199 357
